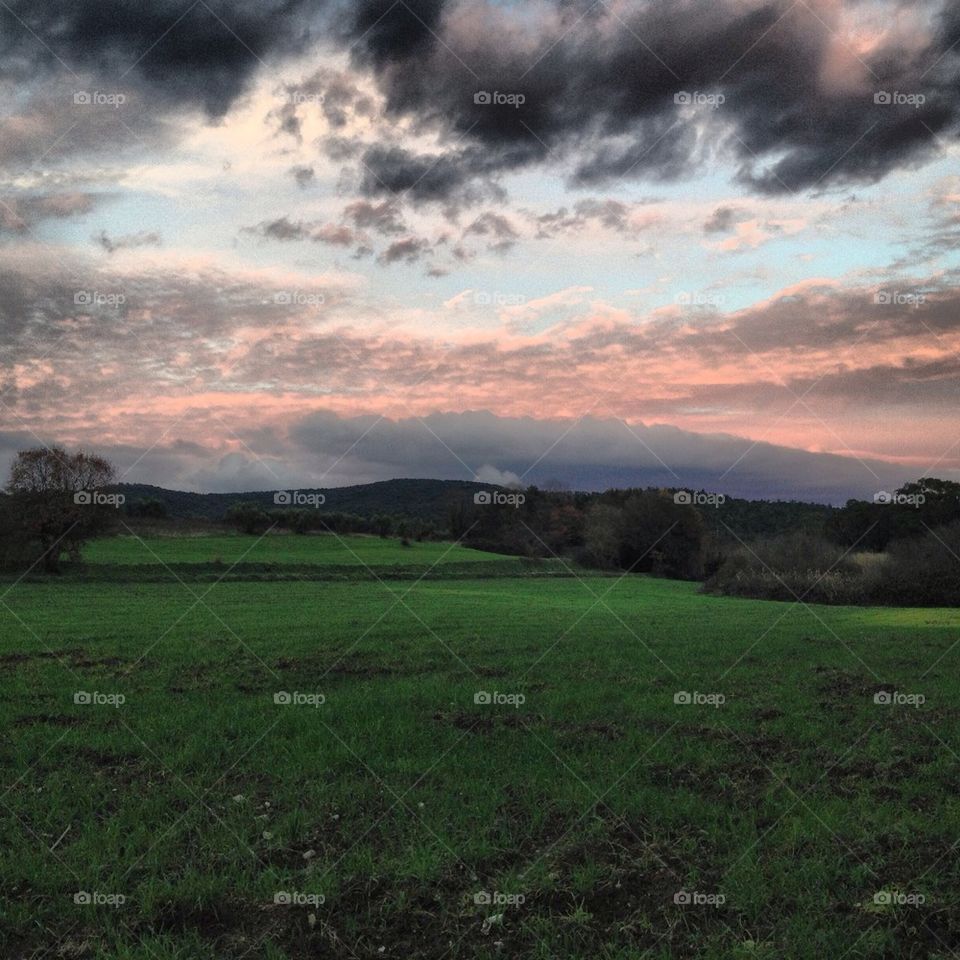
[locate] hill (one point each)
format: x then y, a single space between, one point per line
417 499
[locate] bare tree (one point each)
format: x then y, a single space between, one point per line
58 500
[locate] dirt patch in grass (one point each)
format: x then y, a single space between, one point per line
16 658
48 719
487 723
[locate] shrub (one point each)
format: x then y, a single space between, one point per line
923 572
794 566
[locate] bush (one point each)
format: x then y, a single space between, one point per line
924 572
793 566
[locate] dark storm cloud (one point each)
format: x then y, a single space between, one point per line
202 54
463 177
611 93
627 93
590 453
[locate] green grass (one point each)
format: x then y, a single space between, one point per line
277 548
400 798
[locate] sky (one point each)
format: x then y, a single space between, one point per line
302 243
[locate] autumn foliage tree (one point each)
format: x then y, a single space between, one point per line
55 504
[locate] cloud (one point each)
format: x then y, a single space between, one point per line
282 229
202 56
589 453
721 220
634 91
159 338
610 214
407 250
497 228
500 478
20 213
129 241
304 176
384 217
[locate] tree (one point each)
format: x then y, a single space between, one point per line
602 535
58 500
149 509
247 516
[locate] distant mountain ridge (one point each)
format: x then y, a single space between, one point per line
416 499
433 500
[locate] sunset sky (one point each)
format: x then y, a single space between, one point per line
252 245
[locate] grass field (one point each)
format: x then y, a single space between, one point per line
379 810
277 548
